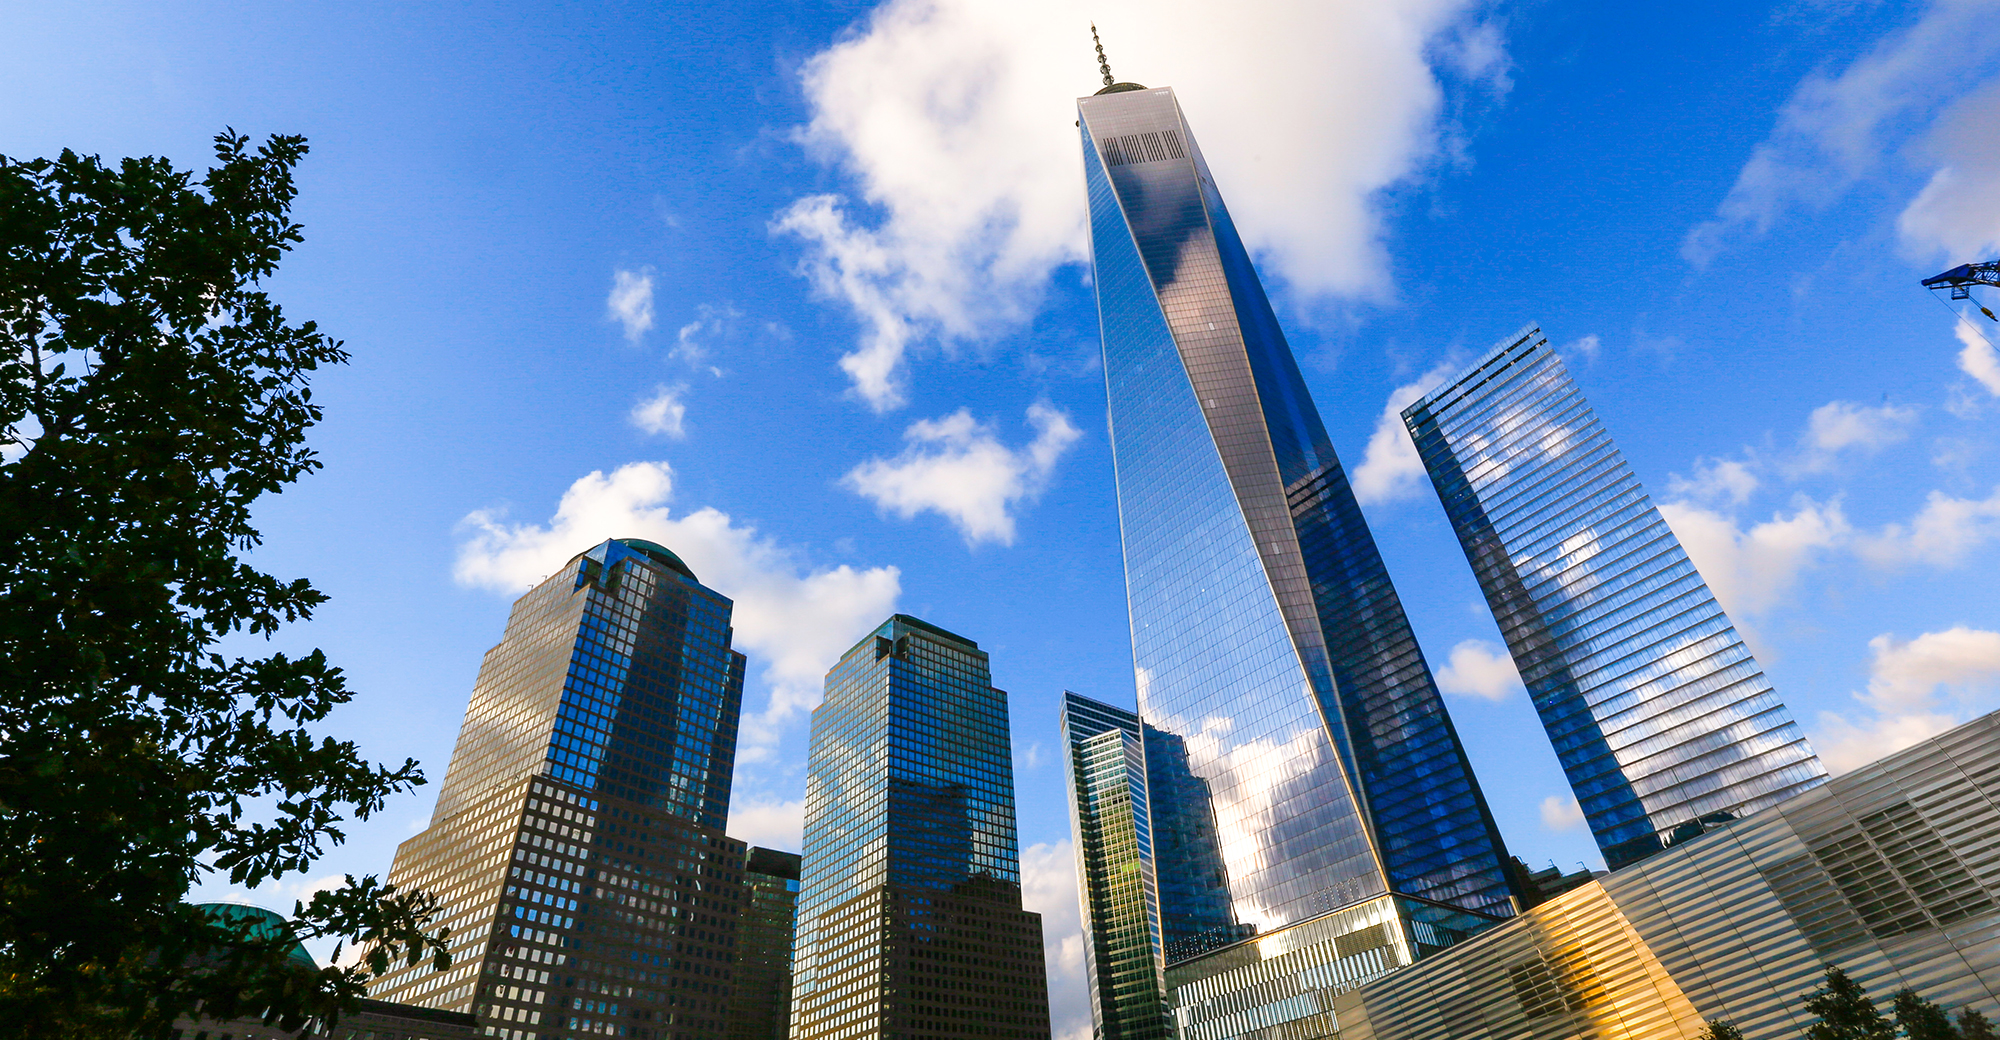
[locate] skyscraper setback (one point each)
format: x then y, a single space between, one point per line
910 920
1662 719
577 843
1311 758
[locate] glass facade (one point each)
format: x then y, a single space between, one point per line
1300 756
910 919
1663 721
577 844
646 703
1116 884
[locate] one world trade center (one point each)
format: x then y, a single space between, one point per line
1314 818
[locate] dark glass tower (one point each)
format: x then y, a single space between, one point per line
1660 715
762 1007
1112 829
577 843
1271 651
910 919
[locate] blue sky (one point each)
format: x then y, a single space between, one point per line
796 290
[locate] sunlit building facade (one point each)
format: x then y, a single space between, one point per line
1890 872
1661 716
577 844
910 923
1312 761
1111 826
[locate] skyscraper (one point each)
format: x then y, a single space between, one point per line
1271 651
577 843
910 919
1659 713
762 1006
1112 829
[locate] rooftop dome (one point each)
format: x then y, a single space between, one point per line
264 924
658 553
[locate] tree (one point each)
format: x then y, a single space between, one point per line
150 393
1720 1029
1919 1019
1845 1012
1973 1026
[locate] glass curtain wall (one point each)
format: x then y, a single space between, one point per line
1111 825
1663 721
1271 651
910 919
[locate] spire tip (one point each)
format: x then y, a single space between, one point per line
1103 63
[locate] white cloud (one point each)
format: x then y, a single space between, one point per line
1751 571
1049 888
1916 690
769 823
1959 660
1942 534
1978 359
956 467
1561 813
1838 128
1586 348
1845 744
1391 468
631 301
1479 669
1725 481
695 341
663 413
792 618
1957 214
954 117
1839 426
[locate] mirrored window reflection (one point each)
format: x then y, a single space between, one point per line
1269 645
1661 718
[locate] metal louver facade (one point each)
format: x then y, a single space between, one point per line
1891 872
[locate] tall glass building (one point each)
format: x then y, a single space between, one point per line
910 919
1663 721
1271 651
1111 826
577 844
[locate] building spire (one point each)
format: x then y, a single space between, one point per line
1103 63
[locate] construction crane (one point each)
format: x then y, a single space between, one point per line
1962 278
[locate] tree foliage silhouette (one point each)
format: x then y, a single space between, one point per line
1845 1012
1919 1019
1720 1029
150 393
1973 1026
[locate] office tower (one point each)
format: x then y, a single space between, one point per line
1659 713
577 844
1889 872
910 919
1111 826
1269 646
762 1007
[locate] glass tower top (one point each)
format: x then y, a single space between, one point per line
1659 713
647 705
1276 669
910 919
